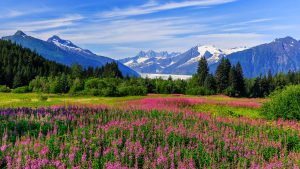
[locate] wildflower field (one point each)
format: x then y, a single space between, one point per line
148 132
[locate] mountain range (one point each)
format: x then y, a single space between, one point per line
281 55
65 52
176 63
150 61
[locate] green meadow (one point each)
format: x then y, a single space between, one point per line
33 100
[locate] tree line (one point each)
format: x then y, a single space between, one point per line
18 66
229 80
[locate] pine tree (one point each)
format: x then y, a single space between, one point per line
256 90
233 82
202 71
76 71
222 75
240 80
210 83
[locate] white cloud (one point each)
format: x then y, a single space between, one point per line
13 13
40 25
135 30
153 6
254 21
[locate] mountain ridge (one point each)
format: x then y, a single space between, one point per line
280 55
177 63
67 53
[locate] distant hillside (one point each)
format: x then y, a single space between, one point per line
65 52
19 65
281 55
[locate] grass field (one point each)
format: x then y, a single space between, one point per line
12 100
218 104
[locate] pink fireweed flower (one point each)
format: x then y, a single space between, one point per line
83 158
3 147
44 151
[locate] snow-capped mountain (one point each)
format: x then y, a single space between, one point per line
176 63
187 62
150 61
67 45
65 52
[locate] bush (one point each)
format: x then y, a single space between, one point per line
77 86
4 89
94 92
230 91
43 98
132 91
199 91
23 89
283 104
40 84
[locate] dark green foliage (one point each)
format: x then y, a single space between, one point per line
18 66
236 82
132 91
210 83
222 75
43 98
40 84
76 71
284 104
77 86
199 91
202 71
23 89
4 89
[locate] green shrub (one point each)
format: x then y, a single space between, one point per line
132 91
94 92
77 86
43 98
283 104
4 89
230 91
23 89
198 91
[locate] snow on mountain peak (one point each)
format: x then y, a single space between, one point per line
210 48
66 44
211 53
233 50
60 42
20 33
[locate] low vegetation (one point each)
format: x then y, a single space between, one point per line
284 104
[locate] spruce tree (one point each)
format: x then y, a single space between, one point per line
233 83
256 90
76 71
240 80
210 83
202 71
222 75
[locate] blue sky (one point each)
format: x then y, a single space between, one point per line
121 28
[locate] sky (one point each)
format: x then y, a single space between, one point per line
122 28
